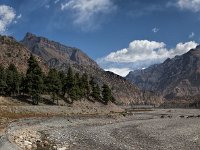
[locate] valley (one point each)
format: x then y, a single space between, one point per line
99 75
54 97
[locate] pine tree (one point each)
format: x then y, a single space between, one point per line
85 85
23 83
62 78
54 84
13 80
75 92
3 84
106 93
69 83
95 90
34 79
77 86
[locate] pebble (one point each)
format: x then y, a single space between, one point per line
27 143
63 148
54 147
29 147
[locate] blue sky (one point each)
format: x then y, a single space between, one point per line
121 35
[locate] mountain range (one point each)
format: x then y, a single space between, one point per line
176 79
51 54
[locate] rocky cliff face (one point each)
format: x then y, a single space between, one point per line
55 54
12 52
61 57
177 78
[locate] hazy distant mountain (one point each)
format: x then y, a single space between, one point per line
175 78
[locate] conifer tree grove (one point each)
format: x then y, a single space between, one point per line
36 84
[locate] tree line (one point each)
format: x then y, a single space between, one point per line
58 84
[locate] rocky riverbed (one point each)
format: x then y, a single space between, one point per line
150 130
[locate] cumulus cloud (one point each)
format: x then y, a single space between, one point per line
87 12
155 30
7 15
192 5
140 50
141 54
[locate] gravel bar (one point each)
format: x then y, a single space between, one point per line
169 129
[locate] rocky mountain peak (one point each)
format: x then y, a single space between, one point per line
32 38
13 52
56 54
29 35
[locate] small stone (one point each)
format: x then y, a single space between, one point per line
26 143
54 147
46 143
63 148
34 146
21 137
29 147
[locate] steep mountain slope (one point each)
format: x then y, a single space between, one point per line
12 52
55 54
61 57
175 78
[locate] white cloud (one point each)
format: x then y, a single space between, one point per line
155 30
141 54
191 35
138 50
141 50
87 12
182 48
192 5
119 71
7 15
